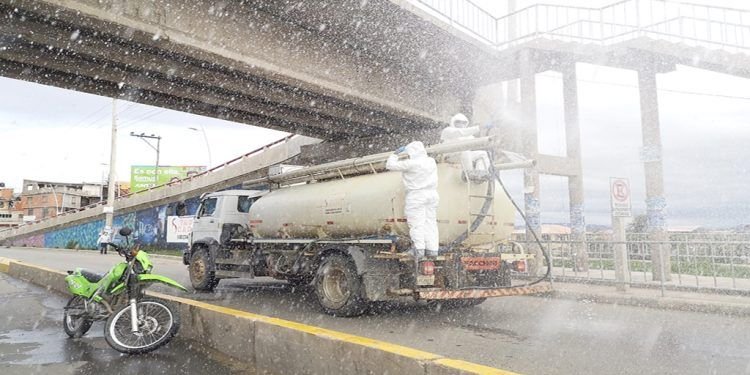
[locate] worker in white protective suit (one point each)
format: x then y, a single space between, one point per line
472 162
419 174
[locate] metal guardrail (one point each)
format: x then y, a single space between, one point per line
719 262
689 23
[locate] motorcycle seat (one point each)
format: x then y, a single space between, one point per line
91 276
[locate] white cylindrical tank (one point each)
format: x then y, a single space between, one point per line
373 205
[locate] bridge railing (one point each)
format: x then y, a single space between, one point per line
689 23
708 262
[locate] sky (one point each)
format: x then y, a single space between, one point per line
68 138
60 135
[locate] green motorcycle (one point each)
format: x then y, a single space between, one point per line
134 323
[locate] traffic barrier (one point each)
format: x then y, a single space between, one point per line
272 345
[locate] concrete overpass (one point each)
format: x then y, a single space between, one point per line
377 71
336 70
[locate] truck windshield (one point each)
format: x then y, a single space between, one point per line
208 207
243 203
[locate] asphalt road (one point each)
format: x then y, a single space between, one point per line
529 335
32 341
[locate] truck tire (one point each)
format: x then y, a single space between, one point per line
202 275
299 282
339 287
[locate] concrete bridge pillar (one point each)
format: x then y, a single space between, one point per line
575 181
652 165
530 150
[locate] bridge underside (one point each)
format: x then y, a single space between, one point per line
323 72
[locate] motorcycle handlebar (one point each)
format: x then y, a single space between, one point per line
120 249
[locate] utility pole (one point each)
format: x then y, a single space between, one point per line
109 209
145 138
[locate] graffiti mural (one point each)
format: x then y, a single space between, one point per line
82 236
149 228
36 240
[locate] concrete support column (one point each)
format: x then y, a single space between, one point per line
530 150
652 165
575 182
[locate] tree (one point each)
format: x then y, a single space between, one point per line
638 225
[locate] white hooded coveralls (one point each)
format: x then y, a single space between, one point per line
467 158
419 174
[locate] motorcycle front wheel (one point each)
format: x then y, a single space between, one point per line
75 319
157 323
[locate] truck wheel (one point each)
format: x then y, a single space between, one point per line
299 282
202 277
339 287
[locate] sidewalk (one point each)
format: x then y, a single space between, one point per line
714 303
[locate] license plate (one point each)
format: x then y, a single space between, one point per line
480 263
425 280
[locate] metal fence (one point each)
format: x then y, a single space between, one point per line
713 261
676 21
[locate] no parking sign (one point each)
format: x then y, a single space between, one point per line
619 196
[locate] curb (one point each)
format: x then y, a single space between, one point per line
660 303
272 345
163 256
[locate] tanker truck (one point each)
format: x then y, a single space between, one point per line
340 228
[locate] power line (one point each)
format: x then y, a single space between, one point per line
90 115
144 118
120 112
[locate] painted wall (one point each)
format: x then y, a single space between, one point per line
36 240
149 228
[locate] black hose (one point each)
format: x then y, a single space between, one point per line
496 174
548 274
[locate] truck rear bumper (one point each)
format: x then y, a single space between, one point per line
431 294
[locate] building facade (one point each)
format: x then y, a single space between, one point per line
44 199
10 215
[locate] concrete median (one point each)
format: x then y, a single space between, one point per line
277 346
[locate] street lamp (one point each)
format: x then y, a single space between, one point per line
205 138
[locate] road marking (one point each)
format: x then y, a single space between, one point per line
472 367
4 264
313 330
419 355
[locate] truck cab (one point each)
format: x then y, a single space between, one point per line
220 216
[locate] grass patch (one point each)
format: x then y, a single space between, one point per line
177 253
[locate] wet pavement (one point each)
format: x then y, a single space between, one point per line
528 335
32 341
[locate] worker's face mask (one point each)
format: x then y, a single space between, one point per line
460 124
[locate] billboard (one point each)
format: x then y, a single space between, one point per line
179 228
143 177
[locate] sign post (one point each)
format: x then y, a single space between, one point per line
619 196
